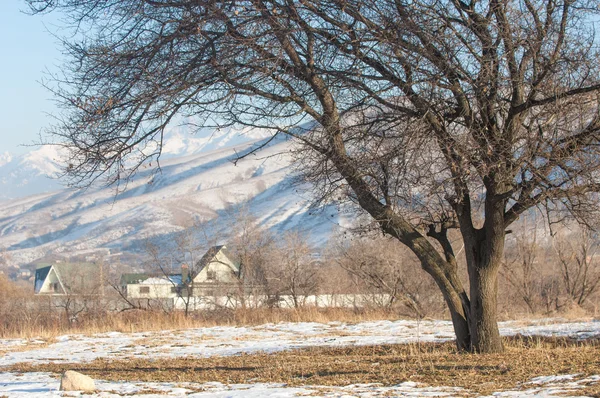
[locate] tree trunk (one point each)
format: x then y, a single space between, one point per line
485 336
484 253
443 273
458 305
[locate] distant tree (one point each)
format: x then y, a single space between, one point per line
579 264
429 115
250 244
387 268
523 267
292 270
83 288
178 263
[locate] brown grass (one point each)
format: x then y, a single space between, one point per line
49 326
435 364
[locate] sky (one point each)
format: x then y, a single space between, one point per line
28 49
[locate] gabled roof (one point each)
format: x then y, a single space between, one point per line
40 276
70 275
210 255
42 273
80 269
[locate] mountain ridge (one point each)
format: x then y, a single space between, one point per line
197 182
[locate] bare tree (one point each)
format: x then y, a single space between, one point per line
387 269
177 262
292 270
523 269
82 290
251 245
579 265
428 115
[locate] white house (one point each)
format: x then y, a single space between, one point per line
148 286
216 273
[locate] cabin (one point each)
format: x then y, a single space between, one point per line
216 273
67 279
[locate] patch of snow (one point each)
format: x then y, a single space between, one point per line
45 385
231 340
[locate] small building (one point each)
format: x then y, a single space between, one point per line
68 278
150 286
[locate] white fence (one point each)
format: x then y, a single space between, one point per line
287 301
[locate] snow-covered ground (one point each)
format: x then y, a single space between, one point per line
224 340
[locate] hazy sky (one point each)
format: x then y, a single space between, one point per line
27 50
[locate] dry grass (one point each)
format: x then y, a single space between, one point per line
432 363
47 326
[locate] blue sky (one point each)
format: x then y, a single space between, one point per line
28 49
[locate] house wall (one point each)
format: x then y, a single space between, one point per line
154 291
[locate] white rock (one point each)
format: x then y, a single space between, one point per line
75 381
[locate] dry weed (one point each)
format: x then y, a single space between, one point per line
436 364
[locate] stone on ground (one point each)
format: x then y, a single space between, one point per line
75 381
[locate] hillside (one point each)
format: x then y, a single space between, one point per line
197 182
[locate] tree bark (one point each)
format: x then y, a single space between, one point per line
484 253
485 336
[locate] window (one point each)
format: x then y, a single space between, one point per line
211 275
144 289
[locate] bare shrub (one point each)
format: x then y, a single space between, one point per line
578 264
292 270
390 271
526 270
251 245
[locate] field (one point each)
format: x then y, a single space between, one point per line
547 357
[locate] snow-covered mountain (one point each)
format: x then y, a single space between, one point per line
29 173
197 182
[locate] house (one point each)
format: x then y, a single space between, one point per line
24 273
68 278
150 286
216 273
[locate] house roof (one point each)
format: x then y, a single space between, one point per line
150 279
128 279
210 255
42 273
158 278
82 275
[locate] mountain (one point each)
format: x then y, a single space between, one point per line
36 171
29 173
197 182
